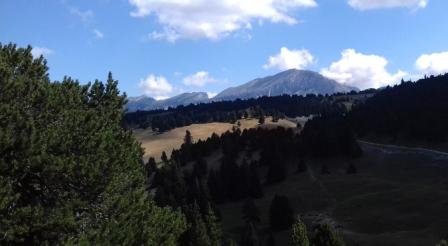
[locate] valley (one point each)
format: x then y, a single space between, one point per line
397 196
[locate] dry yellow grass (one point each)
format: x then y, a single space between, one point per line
154 144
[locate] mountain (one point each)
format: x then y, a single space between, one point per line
149 103
291 82
183 99
140 103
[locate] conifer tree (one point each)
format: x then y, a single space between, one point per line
325 235
213 227
299 234
69 173
197 234
255 188
164 158
262 119
150 166
215 187
280 213
188 139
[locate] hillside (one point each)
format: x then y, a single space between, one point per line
410 111
154 143
147 103
290 82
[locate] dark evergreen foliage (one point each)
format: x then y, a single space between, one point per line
415 111
329 135
281 214
69 173
231 111
325 235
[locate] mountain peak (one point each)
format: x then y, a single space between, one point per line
291 82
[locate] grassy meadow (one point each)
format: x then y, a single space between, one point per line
155 143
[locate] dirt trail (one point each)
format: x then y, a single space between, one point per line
435 154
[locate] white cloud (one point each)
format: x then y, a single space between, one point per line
288 59
199 79
379 4
98 33
168 35
84 16
156 86
38 51
434 64
362 71
195 19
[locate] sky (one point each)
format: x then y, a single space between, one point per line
161 48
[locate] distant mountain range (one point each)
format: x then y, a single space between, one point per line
148 103
291 82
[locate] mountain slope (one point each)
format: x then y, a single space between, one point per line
139 103
148 103
291 82
183 99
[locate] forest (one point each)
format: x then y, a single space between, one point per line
231 111
186 180
416 111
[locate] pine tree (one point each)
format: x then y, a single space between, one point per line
215 187
69 173
299 234
276 172
255 188
188 139
164 158
325 235
213 227
261 119
197 234
150 166
281 214
200 168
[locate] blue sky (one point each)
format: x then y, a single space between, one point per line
165 47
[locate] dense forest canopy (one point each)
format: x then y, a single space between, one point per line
231 111
409 111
